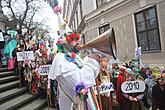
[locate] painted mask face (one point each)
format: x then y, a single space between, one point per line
103 64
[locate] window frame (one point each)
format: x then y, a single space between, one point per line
102 3
103 26
148 30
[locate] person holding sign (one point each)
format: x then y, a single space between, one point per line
104 78
130 100
158 94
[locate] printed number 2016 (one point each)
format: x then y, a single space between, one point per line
132 86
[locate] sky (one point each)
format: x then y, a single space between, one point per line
52 18
45 13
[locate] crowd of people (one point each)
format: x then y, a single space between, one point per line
69 82
59 82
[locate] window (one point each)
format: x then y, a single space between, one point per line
147 29
101 2
81 13
103 29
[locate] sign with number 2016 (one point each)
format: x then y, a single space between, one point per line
133 86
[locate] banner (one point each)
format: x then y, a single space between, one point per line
25 55
133 86
108 87
44 69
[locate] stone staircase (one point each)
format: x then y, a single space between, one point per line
14 98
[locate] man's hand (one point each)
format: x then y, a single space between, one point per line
130 98
135 99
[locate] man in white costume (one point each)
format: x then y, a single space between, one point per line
69 69
68 74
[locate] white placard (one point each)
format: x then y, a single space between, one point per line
104 89
1 37
44 69
138 52
133 86
25 55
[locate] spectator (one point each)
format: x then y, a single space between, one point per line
158 94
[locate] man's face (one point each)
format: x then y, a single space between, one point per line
73 46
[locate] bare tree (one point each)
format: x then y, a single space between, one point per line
23 12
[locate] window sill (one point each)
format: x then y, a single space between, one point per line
152 51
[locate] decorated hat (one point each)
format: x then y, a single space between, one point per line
136 71
129 71
65 34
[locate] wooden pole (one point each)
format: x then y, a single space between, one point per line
99 97
111 100
19 72
48 101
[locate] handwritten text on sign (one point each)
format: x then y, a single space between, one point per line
104 89
44 69
25 55
133 86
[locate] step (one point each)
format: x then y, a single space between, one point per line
35 105
6 74
2 69
18 102
8 79
8 86
3 66
5 96
49 109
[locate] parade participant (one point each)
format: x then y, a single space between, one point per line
69 70
104 78
120 80
158 94
130 101
150 82
2 44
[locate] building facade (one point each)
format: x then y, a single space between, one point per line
137 23
3 18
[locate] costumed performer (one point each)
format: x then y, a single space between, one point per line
72 73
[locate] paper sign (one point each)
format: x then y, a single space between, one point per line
138 52
44 69
1 37
25 55
133 86
104 89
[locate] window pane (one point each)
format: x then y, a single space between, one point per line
140 17
103 28
151 13
153 40
143 43
99 3
104 1
152 23
141 26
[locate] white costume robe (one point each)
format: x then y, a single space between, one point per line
69 75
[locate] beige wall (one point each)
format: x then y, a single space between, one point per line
122 20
